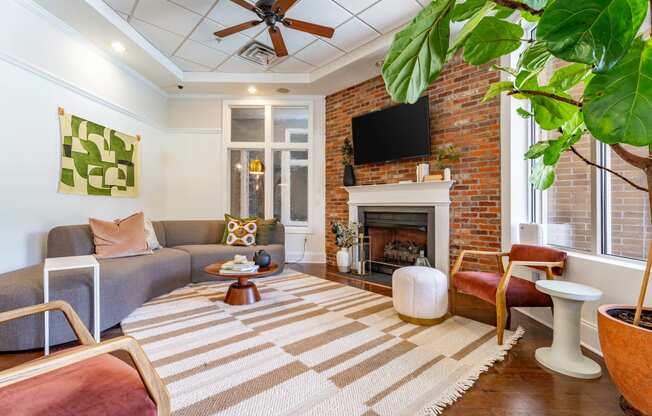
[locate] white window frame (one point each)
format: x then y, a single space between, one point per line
269 146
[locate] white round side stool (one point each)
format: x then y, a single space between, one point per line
565 355
420 295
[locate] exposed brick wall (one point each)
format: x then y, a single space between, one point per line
458 117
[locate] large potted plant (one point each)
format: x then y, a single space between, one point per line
598 46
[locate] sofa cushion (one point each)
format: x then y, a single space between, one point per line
102 385
70 240
125 284
204 254
179 233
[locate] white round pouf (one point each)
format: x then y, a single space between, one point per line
420 295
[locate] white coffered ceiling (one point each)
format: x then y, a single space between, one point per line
183 31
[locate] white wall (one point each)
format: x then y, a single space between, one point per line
195 159
44 66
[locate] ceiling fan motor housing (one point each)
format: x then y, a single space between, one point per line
270 17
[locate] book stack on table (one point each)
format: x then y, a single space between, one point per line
231 267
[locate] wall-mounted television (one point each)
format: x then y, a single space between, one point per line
398 132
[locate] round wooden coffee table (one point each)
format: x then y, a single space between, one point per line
242 292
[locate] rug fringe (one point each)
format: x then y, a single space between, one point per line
458 389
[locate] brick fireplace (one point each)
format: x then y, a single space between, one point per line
458 117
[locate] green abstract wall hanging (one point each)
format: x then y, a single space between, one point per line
96 160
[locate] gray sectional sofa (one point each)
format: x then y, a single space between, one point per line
126 283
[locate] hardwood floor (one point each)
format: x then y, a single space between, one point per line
516 386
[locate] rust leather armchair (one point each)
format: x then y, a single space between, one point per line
85 380
502 289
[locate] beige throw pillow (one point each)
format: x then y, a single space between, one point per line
119 238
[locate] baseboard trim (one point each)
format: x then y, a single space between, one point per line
308 257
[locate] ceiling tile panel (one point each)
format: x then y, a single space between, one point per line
166 15
387 15
201 54
189 66
319 53
198 6
124 6
205 34
292 65
353 34
230 14
322 12
294 40
356 6
166 42
239 65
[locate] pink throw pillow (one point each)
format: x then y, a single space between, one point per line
120 238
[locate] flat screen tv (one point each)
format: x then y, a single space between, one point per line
398 132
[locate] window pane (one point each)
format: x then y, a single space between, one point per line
568 211
628 210
290 124
248 124
247 189
291 186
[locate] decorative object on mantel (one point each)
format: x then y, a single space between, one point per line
444 154
347 160
423 171
433 178
345 238
97 160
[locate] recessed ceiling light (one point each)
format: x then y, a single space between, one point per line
282 90
252 90
118 47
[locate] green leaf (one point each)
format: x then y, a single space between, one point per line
535 57
529 17
524 113
418 53
568 76
527 80
536 4
591 31
496 88
536 150
618 103
543 176
507 70
553 152
468 28
491 39
464 11
549 113
503 12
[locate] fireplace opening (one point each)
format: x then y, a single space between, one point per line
397 238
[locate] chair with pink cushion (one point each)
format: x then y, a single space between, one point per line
502 289
85 380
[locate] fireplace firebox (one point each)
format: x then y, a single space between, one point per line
398 236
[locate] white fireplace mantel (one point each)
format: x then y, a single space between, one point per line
415 194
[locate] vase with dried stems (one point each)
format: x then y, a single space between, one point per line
601 48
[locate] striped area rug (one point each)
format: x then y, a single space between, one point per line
310 347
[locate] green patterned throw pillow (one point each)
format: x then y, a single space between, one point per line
240 232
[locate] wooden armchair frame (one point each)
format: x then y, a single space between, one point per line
501 293
89 349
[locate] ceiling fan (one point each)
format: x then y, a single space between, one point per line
272 12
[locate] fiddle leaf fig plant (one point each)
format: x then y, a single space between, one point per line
601 88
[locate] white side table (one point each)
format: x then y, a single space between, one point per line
69 263
565 355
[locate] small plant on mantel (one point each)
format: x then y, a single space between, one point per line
444 154
347 162
601 45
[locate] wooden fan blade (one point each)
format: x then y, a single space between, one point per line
318 30
282 6
245 4
235 29
277 40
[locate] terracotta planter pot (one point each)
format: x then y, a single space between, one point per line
627 350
